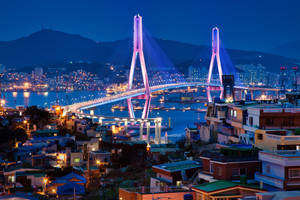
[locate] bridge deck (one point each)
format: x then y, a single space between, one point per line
137 92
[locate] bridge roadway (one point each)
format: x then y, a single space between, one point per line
137 92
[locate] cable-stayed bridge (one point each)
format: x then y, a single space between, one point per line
147 90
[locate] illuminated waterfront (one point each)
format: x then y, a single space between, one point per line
179 119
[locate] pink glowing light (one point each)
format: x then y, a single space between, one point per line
138 51
215 54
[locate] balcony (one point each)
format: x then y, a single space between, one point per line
283 137
221 114
269 180
250 128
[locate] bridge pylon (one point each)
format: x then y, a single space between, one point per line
138 51
215 55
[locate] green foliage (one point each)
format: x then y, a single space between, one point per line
38 116
9 136
20 135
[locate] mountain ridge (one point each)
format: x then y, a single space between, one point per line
50 46
290 49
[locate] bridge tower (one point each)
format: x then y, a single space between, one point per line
138 51
215 55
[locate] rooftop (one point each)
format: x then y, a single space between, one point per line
178 166
220 185
284 153
281 194
44 133
71 177
147 190
232 154
31 173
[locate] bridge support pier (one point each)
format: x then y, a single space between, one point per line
141 130
92 112
208 95
157 138
100 121
148 132
125 125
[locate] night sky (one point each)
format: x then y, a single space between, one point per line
244 24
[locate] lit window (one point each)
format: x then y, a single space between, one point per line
178 183
11 179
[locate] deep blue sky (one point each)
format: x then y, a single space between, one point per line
244 24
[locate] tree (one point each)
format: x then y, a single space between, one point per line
20 135
38 116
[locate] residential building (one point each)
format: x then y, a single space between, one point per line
34 179
272 116
236 117
171 174
100 156
220 190
278 195
10 174
229 163
145 193
67 185
215 117
280 169
277 139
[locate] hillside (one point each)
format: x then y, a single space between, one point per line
53 47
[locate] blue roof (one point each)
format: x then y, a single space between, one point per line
66 179
70 188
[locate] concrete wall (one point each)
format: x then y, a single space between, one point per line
168 195
276 170
204 133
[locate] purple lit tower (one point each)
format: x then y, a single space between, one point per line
138 51
215 54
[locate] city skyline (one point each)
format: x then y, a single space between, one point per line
271 26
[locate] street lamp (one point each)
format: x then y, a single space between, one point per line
45 180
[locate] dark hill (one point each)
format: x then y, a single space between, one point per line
52 47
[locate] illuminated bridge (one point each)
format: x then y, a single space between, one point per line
146 91
77 107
